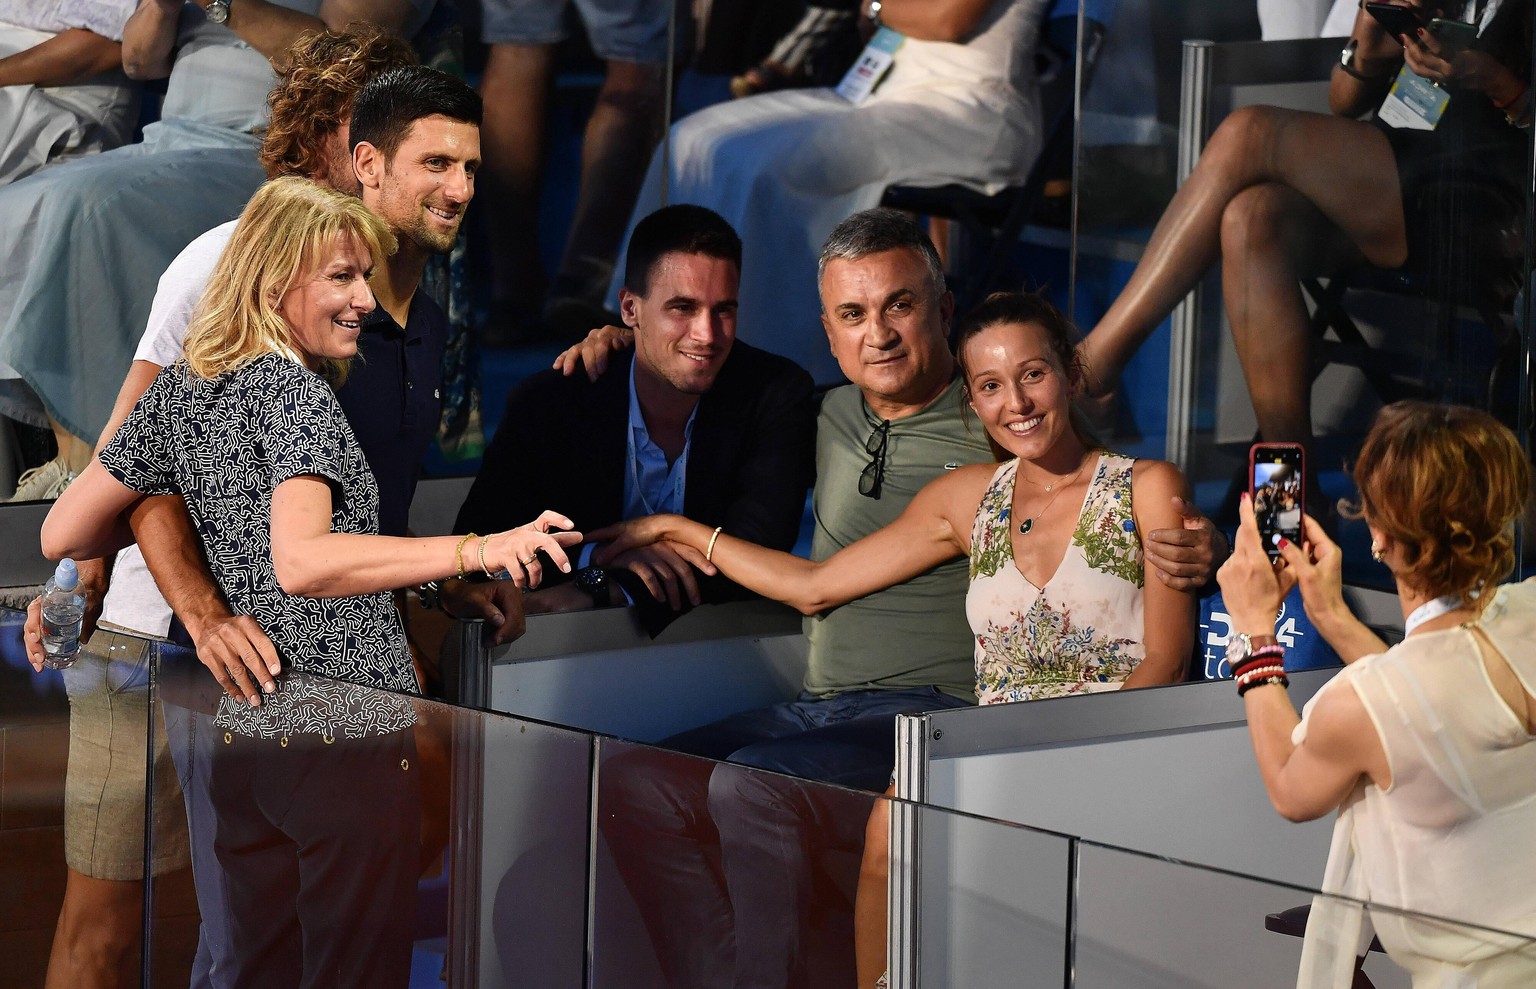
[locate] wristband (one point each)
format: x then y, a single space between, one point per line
1259 674
709 551
458 553
1281 680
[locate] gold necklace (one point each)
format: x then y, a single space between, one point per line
1029 523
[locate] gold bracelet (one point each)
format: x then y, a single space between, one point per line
487 569
458 553
709 551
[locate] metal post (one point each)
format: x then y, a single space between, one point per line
902 920
471 687
1194 123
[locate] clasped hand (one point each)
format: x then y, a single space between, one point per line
667 568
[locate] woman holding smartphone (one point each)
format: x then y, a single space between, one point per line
1279 195
1428 749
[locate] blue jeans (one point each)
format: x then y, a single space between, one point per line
744 877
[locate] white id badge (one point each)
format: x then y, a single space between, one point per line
873 64
1414 102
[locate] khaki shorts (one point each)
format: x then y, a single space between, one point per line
104 787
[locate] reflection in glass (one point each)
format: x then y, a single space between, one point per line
1385 259
530 81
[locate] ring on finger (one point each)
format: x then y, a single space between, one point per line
531 559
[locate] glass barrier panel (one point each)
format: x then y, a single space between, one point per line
576 104
74 854
709 873
713 873
988 900
1373 260
1148 921
442 843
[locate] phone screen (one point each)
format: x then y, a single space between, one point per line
1456 34
1277 489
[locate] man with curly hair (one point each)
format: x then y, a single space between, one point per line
82 243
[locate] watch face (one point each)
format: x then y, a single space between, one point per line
218 11
1237 648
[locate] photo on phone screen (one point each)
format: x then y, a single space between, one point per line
1277 490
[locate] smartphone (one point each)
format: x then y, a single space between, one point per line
1397 19
1456 34
1277 485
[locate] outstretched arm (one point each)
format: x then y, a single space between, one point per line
1168 612
312 560
921 538
67 57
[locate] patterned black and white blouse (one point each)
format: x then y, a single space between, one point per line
225 444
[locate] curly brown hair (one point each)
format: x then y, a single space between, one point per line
318 79
1446 483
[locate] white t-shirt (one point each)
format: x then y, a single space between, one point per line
133 601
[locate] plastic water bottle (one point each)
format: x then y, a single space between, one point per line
63 610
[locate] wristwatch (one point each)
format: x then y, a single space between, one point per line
1242 645
874 12
1347 59
593 581
218 11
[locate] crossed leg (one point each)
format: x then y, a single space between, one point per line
1319 190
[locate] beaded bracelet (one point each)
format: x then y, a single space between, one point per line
1259 657
458 553
1281 680
1250 676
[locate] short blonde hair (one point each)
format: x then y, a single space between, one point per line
281 233
1446 483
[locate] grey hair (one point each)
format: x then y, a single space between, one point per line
874 231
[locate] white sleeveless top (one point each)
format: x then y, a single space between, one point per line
1080 633
1455 834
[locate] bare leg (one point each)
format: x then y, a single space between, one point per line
1271 237
515 87
1343 167
96 942
75 452
869 904
621 134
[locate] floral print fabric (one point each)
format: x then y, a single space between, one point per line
1080 633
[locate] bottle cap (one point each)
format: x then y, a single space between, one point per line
65 577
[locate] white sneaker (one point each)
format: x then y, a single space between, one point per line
43 483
